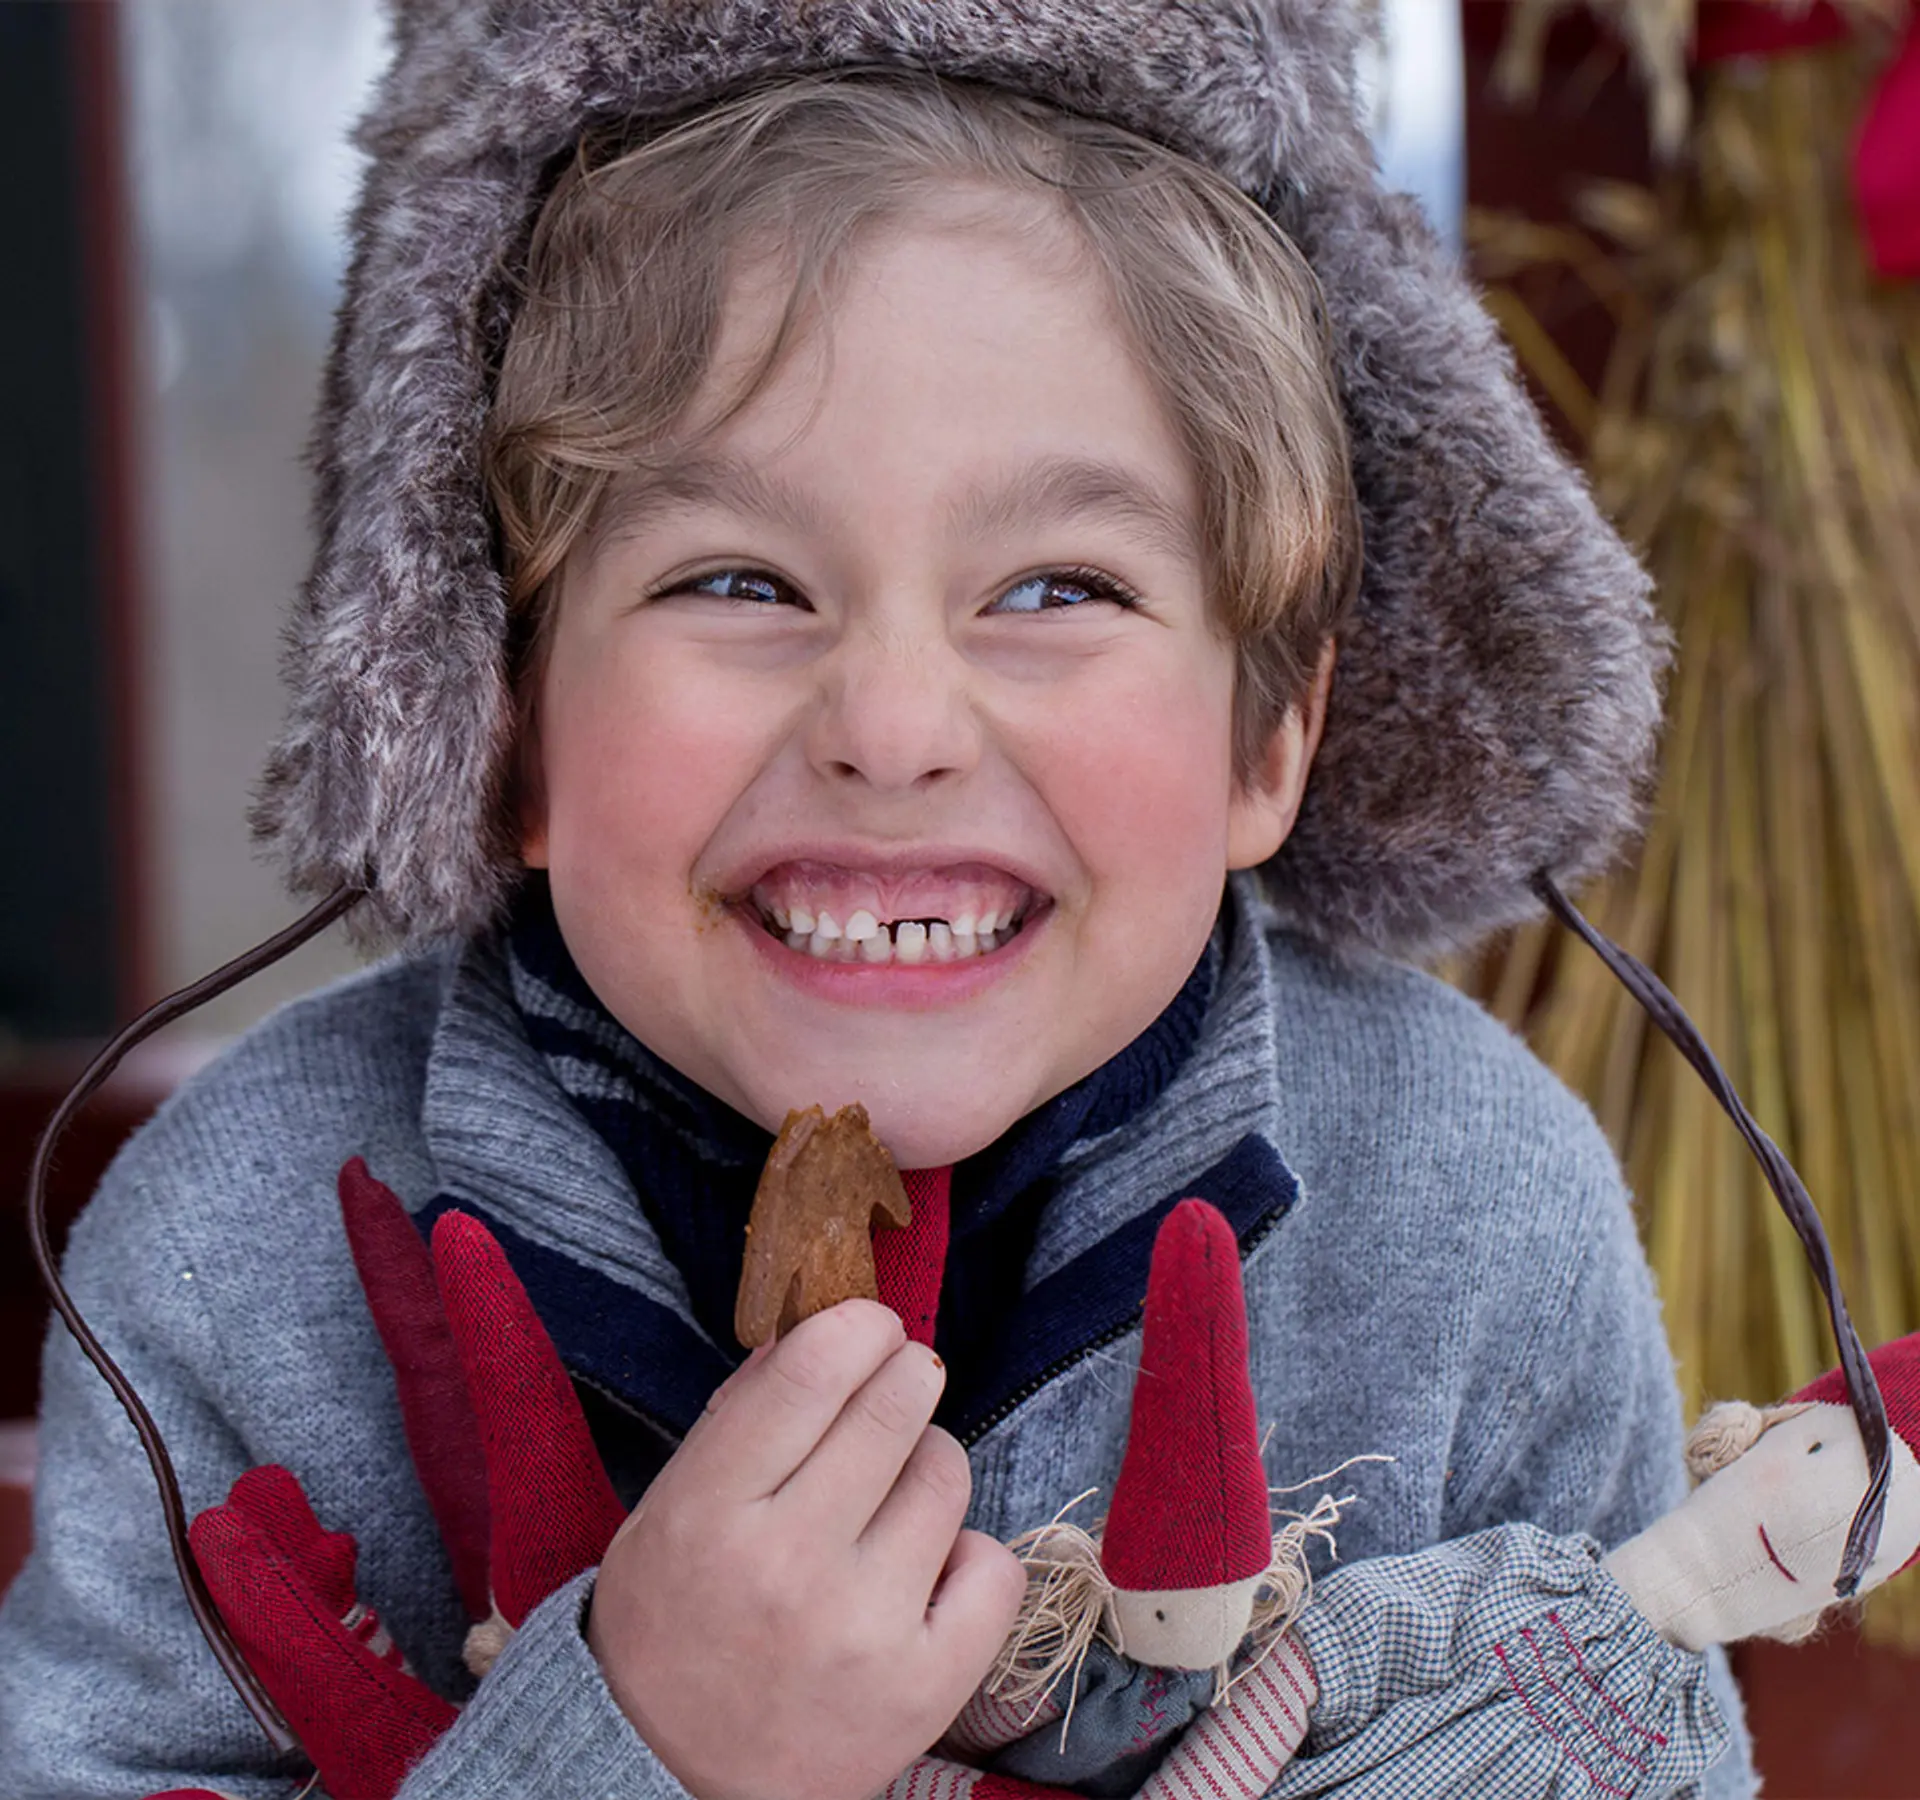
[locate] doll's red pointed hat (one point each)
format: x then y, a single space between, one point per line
1897 1368
1190 1509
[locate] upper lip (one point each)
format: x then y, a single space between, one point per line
890 863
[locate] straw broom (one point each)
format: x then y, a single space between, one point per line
1757 435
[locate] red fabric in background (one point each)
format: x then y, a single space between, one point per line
1726 28
1886 161
1886 169
396 1272
552 1510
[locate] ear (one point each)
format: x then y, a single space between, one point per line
1266 800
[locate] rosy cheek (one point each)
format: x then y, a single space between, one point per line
630 765
1149 781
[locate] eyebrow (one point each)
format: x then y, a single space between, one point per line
701 481
1047 491
1077 487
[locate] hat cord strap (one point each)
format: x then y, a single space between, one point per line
175 1006
1863 1389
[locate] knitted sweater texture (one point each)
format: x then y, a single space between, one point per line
1440 1264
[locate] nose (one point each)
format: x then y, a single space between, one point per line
895 711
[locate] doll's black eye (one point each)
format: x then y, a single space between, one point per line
1812 1447
1158 1614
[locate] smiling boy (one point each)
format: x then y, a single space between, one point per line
832 585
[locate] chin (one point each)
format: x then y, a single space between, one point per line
918 1133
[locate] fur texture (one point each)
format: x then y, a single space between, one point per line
1496 700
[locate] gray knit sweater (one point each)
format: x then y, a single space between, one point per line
1450 1276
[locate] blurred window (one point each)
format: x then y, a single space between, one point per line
241 174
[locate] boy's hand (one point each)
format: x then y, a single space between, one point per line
793 1612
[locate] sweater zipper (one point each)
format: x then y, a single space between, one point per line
1052 1372
1256 1236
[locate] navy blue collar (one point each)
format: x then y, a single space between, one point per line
694 1162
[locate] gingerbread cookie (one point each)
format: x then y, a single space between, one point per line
810 1237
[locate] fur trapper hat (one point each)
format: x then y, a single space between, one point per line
1496 698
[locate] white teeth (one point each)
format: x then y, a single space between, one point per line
910 941
866 939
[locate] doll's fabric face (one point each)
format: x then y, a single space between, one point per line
884 749
1768 1531
1805 1477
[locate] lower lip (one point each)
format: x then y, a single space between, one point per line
913 985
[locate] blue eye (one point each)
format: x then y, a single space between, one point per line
752 587
1064 590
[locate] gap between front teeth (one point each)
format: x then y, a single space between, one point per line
865 939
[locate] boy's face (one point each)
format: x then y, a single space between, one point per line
918 640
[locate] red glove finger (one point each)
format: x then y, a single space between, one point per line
396 1270
360 1716
553 1511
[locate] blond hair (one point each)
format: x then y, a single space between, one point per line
628 271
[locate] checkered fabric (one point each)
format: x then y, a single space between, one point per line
1503 1666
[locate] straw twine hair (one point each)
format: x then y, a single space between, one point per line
1069 1603
634 255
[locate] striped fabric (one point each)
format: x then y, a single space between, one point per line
932 1778
987 1723
1237 1748
1503 1664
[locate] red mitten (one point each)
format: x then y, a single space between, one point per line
285 1588
509 1469
552 1509
443 1436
